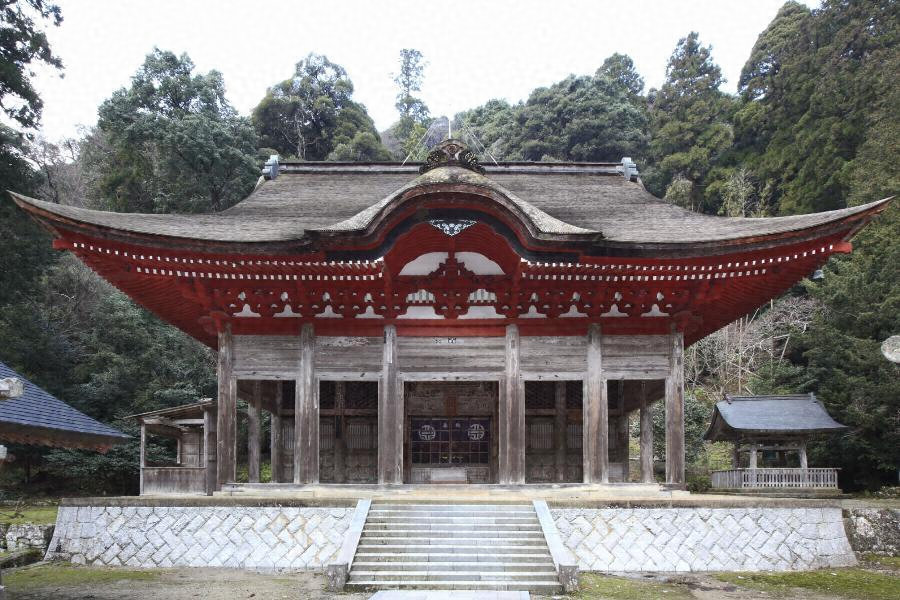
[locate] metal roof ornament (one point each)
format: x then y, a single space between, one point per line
451 153
452 227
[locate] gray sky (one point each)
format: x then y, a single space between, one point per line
475 50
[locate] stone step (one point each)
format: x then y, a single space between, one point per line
453 575
455 507
547 587
454 541
425 526
452 533
474 512
415 557
457 520
438 548
544 565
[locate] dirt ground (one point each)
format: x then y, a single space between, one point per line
53 581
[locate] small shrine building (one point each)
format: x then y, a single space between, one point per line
448 322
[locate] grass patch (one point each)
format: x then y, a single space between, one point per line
39 515
846 583
69 575
888 562
595 587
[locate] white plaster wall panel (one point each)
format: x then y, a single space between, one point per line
705 539
263 538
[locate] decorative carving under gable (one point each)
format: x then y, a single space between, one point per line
451 153
452 227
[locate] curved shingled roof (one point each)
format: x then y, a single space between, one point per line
555 201
796 414
38 417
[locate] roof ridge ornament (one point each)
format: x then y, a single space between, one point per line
451 153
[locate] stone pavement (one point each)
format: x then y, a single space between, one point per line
448 595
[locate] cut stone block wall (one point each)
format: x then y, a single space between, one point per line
874 530
262 538
704 539
27 535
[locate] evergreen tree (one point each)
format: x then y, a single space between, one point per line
413 111
309 115
688 121
170 142
581 118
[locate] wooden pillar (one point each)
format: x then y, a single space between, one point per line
560 425
340 433
647 475
596 413
306 412
143 456
226 427
210 450
276 443
390 414
622 433
804 464
675 411
736 456
752 463
253 414
511 414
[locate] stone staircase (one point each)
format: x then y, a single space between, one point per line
453 546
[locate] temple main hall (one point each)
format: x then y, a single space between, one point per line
445 322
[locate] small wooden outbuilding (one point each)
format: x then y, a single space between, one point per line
193 427
778 426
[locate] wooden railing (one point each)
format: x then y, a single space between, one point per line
775 478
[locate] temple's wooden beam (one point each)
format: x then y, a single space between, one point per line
512 414
276 448
646 437
390 414
253 445
596 413
226 426
210 449
306 412
675 411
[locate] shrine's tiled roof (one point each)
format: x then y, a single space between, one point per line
37 416
780 414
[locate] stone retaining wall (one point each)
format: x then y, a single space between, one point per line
704 539
27 535
874 530
263 538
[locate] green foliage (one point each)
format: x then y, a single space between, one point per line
820 91
413 111
834 583
22 44
581 118
312 116
170 142
606 587
689 121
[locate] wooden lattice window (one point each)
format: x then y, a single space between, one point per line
459 441
540 395
574 394
361 395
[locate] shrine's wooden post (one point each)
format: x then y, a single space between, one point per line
596 413
306 412
559 429
226 427
143 456
646 437
675 411
390 414
622 431
210 450
276 442
253 450
512 414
